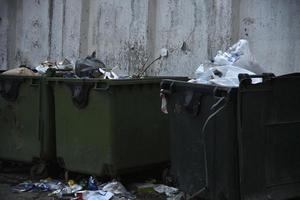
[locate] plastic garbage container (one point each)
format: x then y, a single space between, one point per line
236 143
269 139
109 127
27 133
203 139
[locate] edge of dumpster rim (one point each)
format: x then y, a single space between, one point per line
196 85
147 80
3 76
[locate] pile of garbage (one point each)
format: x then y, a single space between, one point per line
89 67
85 190
93 190
226 66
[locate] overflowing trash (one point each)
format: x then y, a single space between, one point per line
46 185
170 193
91 189
62 65
226 75
227 65
89 67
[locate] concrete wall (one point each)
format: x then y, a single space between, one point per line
273 30
127 33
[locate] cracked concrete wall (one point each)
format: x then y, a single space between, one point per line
127 33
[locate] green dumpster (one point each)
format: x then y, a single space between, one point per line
109 127
27 132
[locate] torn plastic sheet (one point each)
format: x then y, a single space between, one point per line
43 186
108 74
66 190
62 65
226 67
163 189
226 76
239 55
117 189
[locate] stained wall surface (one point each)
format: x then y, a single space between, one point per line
127 33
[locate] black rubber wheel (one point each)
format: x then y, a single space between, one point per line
167 178
1 166
39 171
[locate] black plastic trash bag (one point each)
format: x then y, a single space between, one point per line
89 67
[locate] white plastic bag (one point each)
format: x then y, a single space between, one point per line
230 75
226 75
239 55
238 59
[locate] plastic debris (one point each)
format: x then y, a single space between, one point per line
52 184
108 75
44 66
23 187
224 76
226 67
163 189
144 187
89 67
114 187
65 65
92 185
117 189
66 190
42 186
179 196
113 190
170 193
239 55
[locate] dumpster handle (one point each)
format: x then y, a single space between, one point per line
80 94
101 86
11 93
34 83
169 90
247 79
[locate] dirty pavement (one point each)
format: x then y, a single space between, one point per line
15 183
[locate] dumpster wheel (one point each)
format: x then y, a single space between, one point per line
1 166
167 178
39 171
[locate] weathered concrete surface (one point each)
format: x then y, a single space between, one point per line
273 30
3 34
126 33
